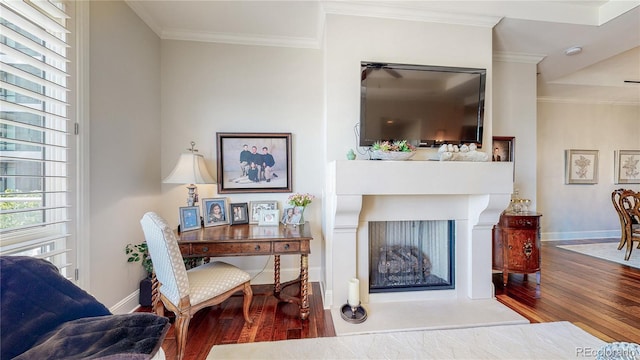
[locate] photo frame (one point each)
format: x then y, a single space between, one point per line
292 215
627 166
269 218
189 218
253 162
216 211
256 206
581 166
502 148
239 213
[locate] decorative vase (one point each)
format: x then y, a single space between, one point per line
391 155
301 222
146 292
351 155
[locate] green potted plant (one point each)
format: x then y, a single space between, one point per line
140 252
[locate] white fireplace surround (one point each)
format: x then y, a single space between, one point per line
358 191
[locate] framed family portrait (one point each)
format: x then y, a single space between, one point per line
254 162
502 148
215 211
239 213
189 218
255 207
627 166
581 166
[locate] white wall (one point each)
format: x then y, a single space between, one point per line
209 88
514 114
582 211
125 147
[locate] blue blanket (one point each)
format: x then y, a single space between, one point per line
45 316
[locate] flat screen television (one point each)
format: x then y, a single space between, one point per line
426 105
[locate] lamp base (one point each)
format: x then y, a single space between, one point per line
353 314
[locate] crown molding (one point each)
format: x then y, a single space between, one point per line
391 10
518 57
144 16
242 39
583 101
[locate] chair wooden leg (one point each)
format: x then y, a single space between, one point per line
181 330
246 305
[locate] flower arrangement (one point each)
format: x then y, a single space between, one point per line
301 199
400 146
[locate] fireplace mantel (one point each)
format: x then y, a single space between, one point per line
472 193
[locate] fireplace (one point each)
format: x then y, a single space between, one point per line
411 255
470 194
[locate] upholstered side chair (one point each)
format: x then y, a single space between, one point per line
186 292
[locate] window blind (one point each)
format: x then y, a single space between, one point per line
34 130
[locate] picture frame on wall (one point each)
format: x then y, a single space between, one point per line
239 213
502 148
189 218
215 211
253 162
581 166
627 166
255 207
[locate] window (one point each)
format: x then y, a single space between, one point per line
35 137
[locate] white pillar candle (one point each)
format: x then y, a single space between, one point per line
354 292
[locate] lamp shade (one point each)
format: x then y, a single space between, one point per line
190 169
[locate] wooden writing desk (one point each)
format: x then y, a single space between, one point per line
251 240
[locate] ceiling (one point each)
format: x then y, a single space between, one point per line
530 31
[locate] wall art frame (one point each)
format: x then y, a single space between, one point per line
239 213
216 211
581 166
255 207
502 148
189 218
269 152
627 166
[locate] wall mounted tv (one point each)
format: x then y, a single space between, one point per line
427 105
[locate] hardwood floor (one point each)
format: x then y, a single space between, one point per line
599 296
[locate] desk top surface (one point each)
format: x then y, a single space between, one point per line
246 232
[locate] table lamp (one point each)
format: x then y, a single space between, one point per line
191 170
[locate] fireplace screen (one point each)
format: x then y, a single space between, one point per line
411 255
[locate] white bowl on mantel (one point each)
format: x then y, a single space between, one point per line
391 155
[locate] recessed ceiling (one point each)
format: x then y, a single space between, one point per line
607 31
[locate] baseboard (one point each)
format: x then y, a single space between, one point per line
127 305
580 235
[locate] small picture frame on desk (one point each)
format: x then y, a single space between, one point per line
215 212
239 213
189 218
269 218
255 207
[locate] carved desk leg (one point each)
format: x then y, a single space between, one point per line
304 286
276 276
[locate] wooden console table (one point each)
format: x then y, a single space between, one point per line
516 244
252 240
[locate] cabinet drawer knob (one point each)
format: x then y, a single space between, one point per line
205 249
257 248
286 246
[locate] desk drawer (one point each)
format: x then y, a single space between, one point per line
285 246
218 249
